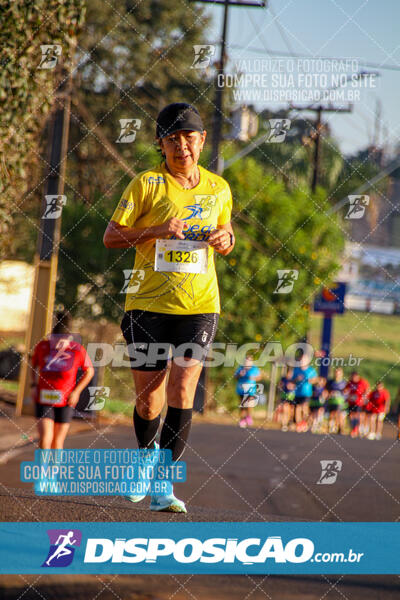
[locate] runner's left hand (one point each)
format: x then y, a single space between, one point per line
73 398
220 239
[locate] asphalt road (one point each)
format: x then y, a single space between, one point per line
237 474
233 475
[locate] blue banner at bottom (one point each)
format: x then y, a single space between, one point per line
200 548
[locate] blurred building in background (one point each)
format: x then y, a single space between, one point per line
372 274
244 123
381 224
16 283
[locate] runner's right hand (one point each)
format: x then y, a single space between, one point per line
173 226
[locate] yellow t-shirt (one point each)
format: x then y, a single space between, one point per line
152 198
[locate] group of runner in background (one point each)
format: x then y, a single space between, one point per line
311 402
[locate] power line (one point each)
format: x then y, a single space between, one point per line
258 32
368 184
310 56
281 30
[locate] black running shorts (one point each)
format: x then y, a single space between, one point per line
59 414
151 336
300 400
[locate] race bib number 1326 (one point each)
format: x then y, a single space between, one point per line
181 256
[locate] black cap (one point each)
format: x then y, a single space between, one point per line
176 117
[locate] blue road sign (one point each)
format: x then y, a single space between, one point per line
331 300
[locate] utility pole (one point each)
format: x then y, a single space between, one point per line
378 116
317 143
216 164
317 135
319 125
316 166
46 258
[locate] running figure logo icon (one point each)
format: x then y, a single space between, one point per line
286 279
50 54
133 279
278 131
54 206
357 206
129 128
253 392
62 547
201 209
202 56
97 397
329 471
196 213
60 357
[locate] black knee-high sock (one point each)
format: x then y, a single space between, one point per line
145 431
175 431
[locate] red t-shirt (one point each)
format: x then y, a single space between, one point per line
377 400
57 360
356 392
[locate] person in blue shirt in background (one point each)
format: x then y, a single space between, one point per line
286 386
336 405
246 388
303 376
316 405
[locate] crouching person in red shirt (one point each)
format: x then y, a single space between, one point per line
377 408
356 393
54 365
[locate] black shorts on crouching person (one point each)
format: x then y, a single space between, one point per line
58 414
150 335
354 408
300 400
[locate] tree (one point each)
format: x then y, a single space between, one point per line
134 58
26 94
276 229
91 277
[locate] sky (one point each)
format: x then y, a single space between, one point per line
362 30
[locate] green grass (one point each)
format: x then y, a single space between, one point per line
122 394
370 337
119 407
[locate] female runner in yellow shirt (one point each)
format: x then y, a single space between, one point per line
176 215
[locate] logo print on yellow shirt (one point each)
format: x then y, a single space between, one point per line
201 209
